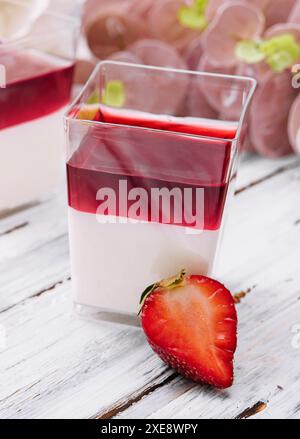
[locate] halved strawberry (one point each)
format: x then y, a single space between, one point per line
191 323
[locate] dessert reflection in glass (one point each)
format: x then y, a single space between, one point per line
149 184
38 70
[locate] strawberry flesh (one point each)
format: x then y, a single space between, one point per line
192 326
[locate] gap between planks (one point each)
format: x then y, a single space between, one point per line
120 407
259 407
37 294
15 228
267 177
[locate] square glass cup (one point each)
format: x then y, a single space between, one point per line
151 170
37 59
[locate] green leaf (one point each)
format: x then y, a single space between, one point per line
146 293
114 94
188 18
174 281
193 17
94 98
282 42
149 290
249 52
281 52
280 61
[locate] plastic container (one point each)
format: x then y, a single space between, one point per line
149 184
37 65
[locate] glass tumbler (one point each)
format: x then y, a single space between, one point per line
151 169
37 60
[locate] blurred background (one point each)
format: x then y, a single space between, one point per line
259 38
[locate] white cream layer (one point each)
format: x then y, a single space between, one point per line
113 263
31 160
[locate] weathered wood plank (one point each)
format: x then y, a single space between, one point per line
57 365
253 169
34 253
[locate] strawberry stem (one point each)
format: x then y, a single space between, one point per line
172 282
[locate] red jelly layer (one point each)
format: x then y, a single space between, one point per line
165 158
35 87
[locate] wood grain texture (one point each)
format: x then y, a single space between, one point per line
265 255
56 364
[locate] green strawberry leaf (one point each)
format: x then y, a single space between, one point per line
172 282
147 292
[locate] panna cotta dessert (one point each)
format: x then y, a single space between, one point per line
32 105
149 180
37 57
143 205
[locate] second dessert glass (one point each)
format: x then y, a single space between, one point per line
37 71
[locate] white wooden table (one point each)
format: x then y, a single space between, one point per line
54 364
